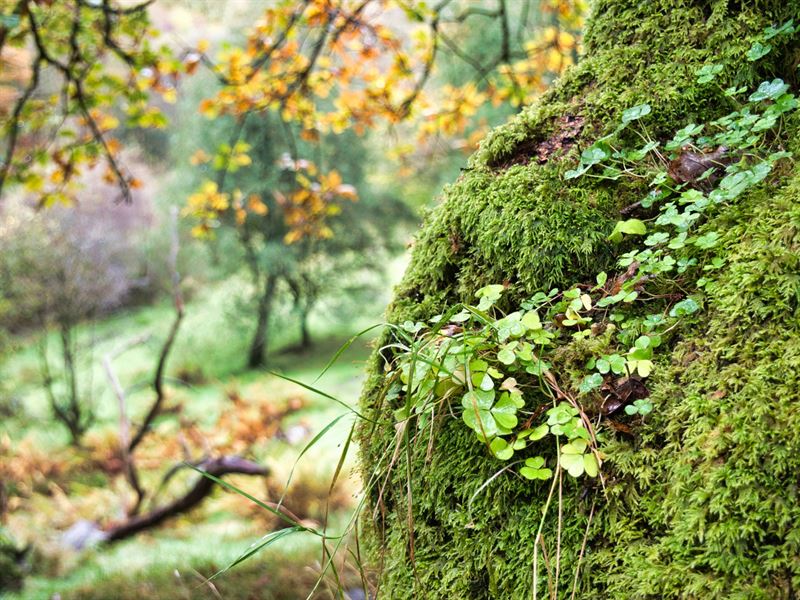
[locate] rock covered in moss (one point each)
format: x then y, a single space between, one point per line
703 501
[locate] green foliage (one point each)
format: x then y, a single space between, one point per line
483 352
11 571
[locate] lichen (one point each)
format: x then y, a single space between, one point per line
703 501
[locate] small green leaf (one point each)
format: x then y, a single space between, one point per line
571 457
506 356
758 50
769 90
590 382
596 153
534 469
709 240
531 320
539 432
501 449
590 465
787 28
629 227
684 307
644 367
635 112
707 73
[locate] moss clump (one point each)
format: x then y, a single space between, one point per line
703 502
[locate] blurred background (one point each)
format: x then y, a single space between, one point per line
146 331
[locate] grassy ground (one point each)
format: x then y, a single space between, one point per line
173 561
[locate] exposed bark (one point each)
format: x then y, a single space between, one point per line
128 444
124 423
218 467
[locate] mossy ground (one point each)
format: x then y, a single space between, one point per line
703 501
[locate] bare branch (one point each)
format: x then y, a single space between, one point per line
158 379
218 467
16 116
124 422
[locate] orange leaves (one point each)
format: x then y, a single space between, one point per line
307 209
256 205
206 205
345 70
333 65
454 110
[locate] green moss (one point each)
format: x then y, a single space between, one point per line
703 502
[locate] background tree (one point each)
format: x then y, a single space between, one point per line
311 70
61 269
302 235
87 59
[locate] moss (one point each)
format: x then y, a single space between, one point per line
703 502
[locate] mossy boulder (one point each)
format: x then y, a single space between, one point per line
703 501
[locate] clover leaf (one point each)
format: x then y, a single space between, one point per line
629 227
576 461
758 50
635 112
534 469
707 73
643 407
590 382
769 90
501 448
489 418
684 307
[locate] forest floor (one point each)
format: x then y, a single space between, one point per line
218 408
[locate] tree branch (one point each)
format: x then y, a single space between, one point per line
16 115
218 467
131 472
158 379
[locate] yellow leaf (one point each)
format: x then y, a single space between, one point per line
566 40
254 204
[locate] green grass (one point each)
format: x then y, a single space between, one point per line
171 562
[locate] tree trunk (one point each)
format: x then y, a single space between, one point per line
304 296
258 347
702 501
305 334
